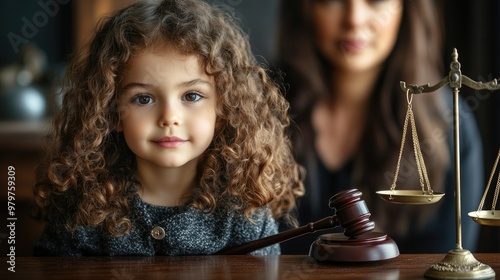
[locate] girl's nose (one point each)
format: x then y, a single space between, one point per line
167 123
171 116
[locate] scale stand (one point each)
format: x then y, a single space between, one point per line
459 263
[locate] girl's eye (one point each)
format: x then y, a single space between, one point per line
191 97
143 100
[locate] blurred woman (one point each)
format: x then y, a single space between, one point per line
343 62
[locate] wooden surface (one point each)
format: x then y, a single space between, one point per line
223 267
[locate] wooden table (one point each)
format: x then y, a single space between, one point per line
223 267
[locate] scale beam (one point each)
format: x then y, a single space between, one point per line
455 79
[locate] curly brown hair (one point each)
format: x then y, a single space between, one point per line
88 170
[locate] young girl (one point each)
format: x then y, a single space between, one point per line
171 141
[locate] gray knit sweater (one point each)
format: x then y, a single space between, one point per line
157 230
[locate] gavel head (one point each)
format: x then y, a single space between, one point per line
352 212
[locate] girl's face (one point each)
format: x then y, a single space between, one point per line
167 108
356 35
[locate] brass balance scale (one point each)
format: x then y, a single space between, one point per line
359 243
459 263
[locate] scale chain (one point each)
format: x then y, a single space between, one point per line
403 139
422 171
481 204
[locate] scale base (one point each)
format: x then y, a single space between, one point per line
336 247
460 264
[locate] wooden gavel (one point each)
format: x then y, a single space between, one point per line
351 213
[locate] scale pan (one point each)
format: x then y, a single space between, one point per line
486 217
409 196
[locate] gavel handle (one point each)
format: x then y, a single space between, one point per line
245 248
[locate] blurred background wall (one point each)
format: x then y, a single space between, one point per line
38 36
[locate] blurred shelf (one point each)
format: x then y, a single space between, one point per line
23 135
